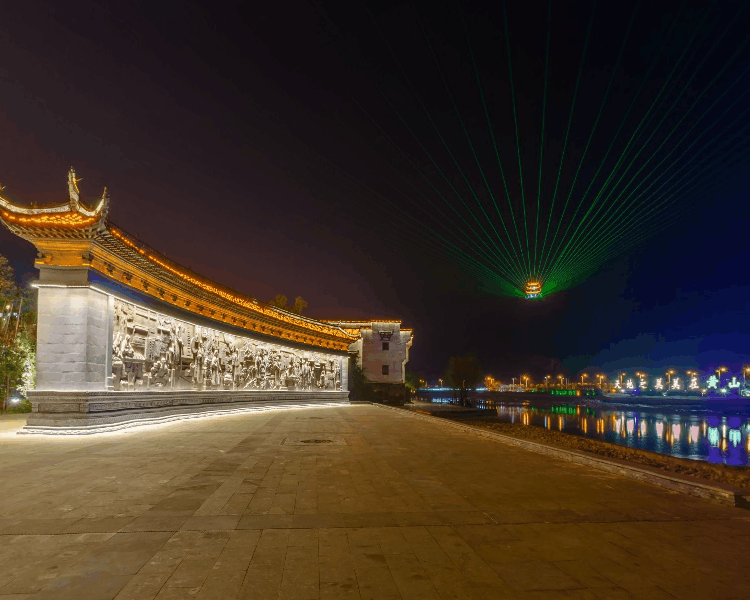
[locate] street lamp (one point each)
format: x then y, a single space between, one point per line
560 377
582 376
513 379
546 380
720 370
621 376
526 377
745 371
600 376
669 375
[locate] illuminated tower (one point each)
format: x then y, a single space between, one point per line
533 288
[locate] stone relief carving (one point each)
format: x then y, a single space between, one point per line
151 350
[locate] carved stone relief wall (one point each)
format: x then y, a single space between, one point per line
151 350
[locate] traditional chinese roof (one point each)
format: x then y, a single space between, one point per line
72 219
355 326
74 235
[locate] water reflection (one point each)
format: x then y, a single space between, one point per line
699 431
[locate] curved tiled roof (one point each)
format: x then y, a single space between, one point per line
74 235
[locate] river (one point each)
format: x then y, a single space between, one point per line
716 431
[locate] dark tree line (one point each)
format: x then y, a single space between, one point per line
17 336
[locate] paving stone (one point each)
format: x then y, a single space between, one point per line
218 508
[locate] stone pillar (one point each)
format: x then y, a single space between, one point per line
344 362
74 334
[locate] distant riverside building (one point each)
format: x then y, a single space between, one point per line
382 350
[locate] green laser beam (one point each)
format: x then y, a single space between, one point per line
619 129
693 174
471 146
544 114
570 120
518 145
676 146
654 104
596 123
611 205
492 134
440 136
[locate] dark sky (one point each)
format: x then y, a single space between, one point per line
307 148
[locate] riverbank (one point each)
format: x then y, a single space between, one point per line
737 477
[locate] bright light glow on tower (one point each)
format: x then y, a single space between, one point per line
533 289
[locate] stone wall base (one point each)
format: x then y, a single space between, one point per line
76 412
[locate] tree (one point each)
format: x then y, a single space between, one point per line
280 301
17 334
463 373
299 305
7 279
412 380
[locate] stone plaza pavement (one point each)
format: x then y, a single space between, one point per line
350 502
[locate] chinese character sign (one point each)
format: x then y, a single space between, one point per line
712 382
693 383
734 383
659 385
643 383
617 386
629 384
676 383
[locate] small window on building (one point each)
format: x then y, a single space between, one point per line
385 369
385 345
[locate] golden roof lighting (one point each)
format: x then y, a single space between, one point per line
533 289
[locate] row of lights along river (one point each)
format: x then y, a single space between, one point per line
717 432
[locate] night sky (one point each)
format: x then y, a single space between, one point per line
305 148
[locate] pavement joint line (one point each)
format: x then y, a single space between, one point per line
291 527
717 493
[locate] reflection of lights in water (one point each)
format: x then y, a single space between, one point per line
676 429
694 433
643 428
713 436
560 423
659 428
585 425
705 425
525 418
724 444
630 424
735 436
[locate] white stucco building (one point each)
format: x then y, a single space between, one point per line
382 350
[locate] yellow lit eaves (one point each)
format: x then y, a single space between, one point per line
65 220
257 308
